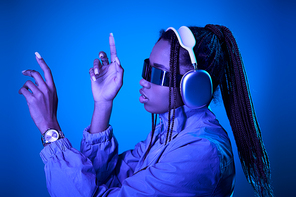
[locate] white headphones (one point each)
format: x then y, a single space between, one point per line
196 85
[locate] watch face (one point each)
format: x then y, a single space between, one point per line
51 135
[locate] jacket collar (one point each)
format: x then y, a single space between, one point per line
184 117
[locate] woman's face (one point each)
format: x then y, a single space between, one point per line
155 97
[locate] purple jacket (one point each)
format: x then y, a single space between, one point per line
197 162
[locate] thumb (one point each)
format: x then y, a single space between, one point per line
118 65
119 69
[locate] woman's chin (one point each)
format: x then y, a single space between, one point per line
154 110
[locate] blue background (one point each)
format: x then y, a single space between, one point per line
69 35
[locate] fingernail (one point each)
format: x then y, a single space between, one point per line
96 71
111 34
94 78
101 55
24 71
38 55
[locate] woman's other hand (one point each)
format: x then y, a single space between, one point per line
41 97
106 78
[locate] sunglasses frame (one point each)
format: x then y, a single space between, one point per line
158 76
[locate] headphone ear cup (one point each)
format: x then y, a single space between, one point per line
196 88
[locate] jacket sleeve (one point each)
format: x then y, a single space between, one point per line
102 150
185 170
96 168
67 171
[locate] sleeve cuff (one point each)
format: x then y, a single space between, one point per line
96 138
52 149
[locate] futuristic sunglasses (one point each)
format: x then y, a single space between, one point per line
158 76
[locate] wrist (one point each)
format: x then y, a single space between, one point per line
103 103
103 106
101 116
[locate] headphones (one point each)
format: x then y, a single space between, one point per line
196 85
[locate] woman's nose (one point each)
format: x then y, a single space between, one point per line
145 84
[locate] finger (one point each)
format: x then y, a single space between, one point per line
92 74
47 72
28 95
96 66
104 58
112 47
36 75
29 85
27 73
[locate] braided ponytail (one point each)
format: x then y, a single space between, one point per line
241 114
217 52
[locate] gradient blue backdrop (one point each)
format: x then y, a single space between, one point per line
69 35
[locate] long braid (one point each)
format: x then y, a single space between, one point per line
174 72
174 63
241 114
173 38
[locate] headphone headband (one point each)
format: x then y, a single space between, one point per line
187 41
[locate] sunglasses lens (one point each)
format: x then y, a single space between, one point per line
157 76
146 73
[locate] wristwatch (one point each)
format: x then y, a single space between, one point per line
51 135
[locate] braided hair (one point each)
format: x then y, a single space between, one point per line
174 62
217 52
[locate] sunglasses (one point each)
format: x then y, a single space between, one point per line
158 76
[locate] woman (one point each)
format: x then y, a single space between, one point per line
187 154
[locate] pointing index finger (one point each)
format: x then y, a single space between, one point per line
112 47
47 72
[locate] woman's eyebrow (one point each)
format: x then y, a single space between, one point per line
160 66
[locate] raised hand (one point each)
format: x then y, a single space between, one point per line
41 97
106 79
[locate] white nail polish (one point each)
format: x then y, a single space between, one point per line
94 78
24 71
96 71
38 55
111 34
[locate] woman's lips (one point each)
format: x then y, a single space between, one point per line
143 98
